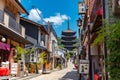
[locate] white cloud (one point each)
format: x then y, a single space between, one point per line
34 15
58 19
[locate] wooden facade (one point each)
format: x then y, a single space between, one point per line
11 30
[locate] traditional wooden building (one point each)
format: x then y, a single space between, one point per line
52 46
92 20
12 34
37 34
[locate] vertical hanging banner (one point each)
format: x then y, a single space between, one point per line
84 67
14 68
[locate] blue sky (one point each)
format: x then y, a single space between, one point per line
56 11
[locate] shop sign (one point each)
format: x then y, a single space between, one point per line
84 67
14 68
5 64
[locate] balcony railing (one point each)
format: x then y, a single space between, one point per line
12 24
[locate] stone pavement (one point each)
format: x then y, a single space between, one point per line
68 73
25 77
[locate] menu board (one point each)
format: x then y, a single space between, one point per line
84 67
5 64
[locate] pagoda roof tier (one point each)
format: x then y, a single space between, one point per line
70 47
67 38
68 32
68 41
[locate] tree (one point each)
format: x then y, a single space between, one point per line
59 43
68 56
112 34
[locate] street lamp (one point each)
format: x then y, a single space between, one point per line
79 22
82 12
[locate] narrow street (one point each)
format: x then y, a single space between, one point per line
68 73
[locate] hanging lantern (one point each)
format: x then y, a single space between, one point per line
79 22
3 39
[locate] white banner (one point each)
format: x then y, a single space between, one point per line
14 68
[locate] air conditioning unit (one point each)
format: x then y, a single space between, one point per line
116 6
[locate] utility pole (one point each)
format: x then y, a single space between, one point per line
105 48
39 14
89 54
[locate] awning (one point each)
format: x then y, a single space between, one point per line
4 46
40 47
99 11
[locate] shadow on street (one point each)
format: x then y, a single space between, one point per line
73 75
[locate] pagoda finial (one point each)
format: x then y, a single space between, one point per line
68 24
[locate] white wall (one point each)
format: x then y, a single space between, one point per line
52 38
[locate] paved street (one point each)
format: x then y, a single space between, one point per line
66 74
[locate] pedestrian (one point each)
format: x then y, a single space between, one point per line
96 76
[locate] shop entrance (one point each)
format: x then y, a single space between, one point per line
4 55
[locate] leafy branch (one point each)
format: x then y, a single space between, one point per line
43 57
21 51
112 34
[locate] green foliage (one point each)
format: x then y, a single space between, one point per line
59 66
72 52
59 43
59 40
68 55
21 51
112 34
61 46
114 65
43 57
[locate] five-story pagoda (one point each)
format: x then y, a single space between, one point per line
68 38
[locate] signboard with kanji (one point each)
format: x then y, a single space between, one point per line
14 68
84 67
